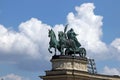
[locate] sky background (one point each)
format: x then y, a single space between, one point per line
24 38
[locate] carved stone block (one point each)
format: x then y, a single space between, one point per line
69 63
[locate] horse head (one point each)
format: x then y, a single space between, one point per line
49 33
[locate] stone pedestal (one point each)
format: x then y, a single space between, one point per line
65 67
72 68
69 63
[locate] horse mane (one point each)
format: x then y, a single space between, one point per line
53 33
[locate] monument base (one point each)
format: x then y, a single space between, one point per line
66 67
69 63
72 68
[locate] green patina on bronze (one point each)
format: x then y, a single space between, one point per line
67 43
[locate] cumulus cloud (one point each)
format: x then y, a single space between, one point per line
111 71
37 33
29 44
13 77
116 44
31 40
115 48
89 27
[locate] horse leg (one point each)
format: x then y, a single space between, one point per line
79 54
49 49
74 52
62 50
67 52
55 51
84 52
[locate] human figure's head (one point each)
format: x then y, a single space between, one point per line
71 29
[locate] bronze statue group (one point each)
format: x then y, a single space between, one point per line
67 43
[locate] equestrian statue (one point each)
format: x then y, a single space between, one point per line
67 43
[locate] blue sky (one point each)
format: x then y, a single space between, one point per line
14 12
20 22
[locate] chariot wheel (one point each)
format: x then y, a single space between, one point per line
82 52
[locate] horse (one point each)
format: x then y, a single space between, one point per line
65 43
70 45
53 41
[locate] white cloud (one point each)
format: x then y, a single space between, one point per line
13 77
31 40
116 44
111 71
37 33
29 45
115 48
89 27
6 39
